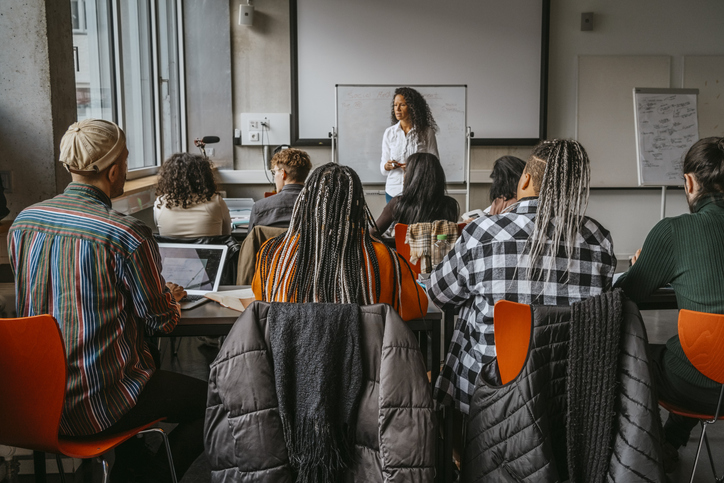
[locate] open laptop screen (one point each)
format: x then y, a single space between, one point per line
197 268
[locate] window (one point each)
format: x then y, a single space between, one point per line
127 57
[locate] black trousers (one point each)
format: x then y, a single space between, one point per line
672 388
178 398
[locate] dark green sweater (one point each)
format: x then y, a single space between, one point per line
687 252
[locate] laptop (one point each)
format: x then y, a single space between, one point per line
197 268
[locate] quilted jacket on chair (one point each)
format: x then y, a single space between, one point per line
517 431
395 439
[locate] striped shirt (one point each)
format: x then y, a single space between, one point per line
489 262
98 272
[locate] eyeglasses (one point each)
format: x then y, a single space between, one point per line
275 171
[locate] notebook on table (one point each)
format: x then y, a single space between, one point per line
197 268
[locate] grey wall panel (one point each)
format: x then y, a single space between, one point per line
207 46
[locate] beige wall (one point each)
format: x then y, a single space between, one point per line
261 83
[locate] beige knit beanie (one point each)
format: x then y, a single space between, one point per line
91 145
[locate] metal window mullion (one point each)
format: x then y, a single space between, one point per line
153 4
119 115
181 74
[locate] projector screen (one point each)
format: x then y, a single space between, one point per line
499 50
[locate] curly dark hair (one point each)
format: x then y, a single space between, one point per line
420 114
185 180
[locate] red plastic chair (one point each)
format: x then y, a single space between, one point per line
33 372
404 249
511 325
702 338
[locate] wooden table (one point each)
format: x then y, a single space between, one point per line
212 319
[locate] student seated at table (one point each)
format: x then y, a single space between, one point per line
423 198
98 273
328 255
687 252
506 174
187 203
290 168
543 250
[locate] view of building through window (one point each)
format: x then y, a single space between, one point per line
127 71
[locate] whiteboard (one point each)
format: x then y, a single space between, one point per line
666 127
706 73
605 120
494 47
363 114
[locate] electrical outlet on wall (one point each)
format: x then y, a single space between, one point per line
258 129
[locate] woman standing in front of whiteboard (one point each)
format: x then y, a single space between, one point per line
413 131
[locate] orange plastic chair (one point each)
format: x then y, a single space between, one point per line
512 328
404 249
33 372
702 338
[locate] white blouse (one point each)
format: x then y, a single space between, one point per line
210 218
397 146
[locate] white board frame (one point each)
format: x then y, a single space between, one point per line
666 127
509 91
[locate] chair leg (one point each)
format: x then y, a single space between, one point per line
174 347
39 466
61 472
106 470
168 449
698 450
718 479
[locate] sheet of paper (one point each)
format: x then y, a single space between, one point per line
234 299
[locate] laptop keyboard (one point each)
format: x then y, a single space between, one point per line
192 298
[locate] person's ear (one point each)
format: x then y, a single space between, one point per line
113 173
525 180
690 183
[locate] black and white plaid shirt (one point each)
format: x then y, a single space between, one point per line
489 262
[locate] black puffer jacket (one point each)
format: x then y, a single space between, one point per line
395 434
517 431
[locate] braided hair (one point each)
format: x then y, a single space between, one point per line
327 254
561 174
420 114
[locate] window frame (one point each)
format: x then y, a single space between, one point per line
175 125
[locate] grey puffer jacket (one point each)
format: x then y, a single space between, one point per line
395 438
517 431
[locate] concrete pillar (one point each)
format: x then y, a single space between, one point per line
37 97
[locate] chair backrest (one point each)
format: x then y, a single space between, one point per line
247 256
512 324
228 274
702 338
33 378
404 249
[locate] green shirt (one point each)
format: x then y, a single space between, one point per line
687 252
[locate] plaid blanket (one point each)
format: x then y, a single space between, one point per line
422 236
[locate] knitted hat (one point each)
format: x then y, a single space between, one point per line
91 145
